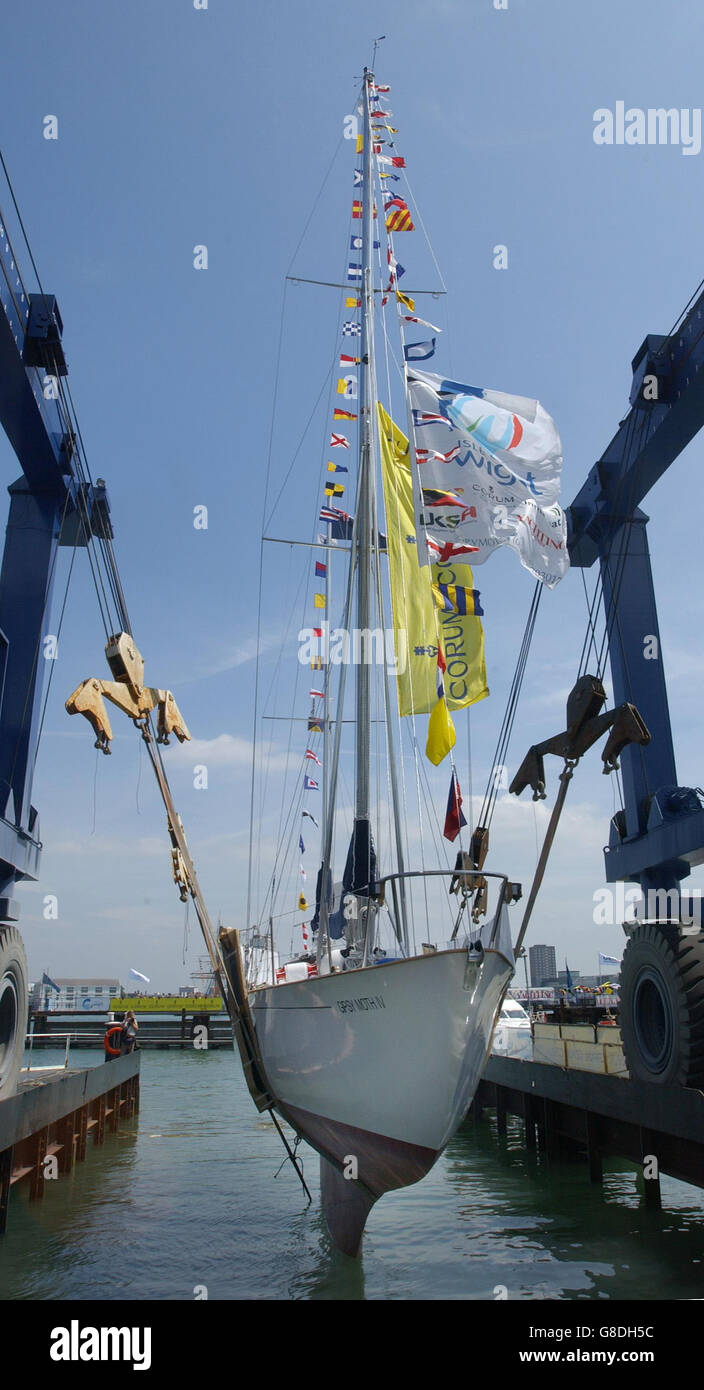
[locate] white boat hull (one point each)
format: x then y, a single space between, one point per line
376 1068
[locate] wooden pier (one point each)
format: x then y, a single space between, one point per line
52 1117
568 1112
168 1031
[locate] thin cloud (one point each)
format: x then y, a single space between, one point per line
230 657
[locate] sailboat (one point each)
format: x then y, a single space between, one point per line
370 1041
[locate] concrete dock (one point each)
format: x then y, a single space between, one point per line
567 1111
45 1127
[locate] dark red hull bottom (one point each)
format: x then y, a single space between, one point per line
380 1163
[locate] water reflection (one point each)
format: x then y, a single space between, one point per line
194 1195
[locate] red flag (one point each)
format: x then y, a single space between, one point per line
454 819
447 550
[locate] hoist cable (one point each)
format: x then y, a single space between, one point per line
51 672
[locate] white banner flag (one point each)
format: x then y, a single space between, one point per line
488 474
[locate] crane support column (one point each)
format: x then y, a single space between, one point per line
25 597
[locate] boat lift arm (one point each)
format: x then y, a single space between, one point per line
137 700
128 693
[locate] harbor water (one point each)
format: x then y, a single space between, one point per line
189 1200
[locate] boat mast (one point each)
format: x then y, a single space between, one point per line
326 689
366 475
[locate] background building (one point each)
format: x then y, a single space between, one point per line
79 995
543 965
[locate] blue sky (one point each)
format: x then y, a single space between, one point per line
180 127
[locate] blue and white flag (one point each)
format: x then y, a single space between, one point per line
137 975
502 488
608 960
351 330
46 980
354 271
356 244
430 417
358 178
419 352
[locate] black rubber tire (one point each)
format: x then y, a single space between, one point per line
661 1013
13 1008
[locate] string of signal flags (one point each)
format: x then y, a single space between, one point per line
397 219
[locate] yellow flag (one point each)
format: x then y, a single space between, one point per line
302 904
318 600
351 303
360 144
416 621
441 733
453 598
409 303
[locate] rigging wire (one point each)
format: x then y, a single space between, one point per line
313 210
255 711
501 752
21 223
329 377
396 520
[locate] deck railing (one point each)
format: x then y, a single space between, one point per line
55 1037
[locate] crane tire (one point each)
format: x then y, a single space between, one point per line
13 1008
661 1012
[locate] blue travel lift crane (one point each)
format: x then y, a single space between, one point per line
658 836
55 503
51 505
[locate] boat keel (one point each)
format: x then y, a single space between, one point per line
346 1206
